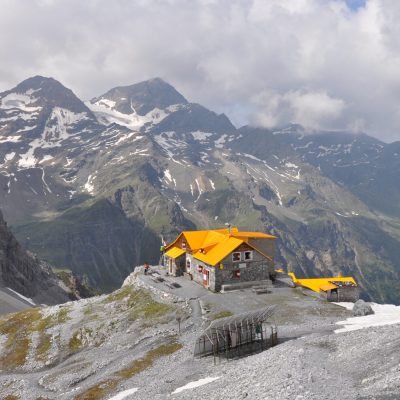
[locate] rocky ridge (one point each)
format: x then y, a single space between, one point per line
128 341
26 274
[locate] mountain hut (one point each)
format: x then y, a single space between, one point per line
222 259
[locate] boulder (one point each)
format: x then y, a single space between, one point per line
362 308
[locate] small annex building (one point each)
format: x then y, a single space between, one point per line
222 257
339 288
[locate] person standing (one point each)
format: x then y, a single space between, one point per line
146 267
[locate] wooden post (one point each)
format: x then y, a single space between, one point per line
262 338
178 317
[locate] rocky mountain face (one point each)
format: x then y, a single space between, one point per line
26 274
94 186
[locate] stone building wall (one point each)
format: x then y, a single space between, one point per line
256 269
266 246
197 273
347 294
229 271
176 266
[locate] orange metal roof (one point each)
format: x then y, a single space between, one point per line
218 252
174 252
253 235
318 284
327 286
212 246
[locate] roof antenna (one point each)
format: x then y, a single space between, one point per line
229 227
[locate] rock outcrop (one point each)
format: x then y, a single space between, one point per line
362 308
26 274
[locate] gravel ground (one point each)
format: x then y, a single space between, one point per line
311 362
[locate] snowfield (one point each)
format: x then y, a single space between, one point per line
107 115
385 314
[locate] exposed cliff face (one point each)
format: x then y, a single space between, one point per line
26 274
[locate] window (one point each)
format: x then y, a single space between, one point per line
248 255
183 245
236 256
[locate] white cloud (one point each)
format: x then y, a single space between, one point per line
314 61
313 110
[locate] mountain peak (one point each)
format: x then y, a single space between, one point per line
37 81
49 91
143 97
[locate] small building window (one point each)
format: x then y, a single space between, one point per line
248 255
183 245
236 256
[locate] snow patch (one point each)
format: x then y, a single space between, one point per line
124 394
168 175
10 139
291 165
107 115
212 184
201 136
9 156
385 314
139 152
169 144
341 215
26 129
200 190
20 101
195 384
45 183
27 299
56 131
28 160
266 177
220 142
47 157
252 157
126 137
58 126
89 187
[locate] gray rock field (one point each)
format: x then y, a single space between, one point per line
99 348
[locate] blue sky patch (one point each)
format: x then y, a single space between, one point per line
355 4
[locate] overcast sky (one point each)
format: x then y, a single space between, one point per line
326 64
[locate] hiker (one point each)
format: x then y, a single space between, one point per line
162 251
146 267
